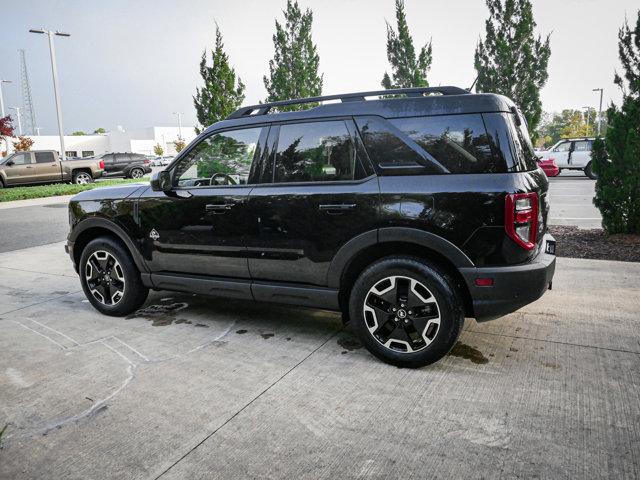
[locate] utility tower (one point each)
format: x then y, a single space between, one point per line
29 113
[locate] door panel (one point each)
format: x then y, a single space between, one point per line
47 168
202 234
581 153
300 228
561 154
22 171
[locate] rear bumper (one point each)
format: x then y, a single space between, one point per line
513 286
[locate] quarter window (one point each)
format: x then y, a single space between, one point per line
459 142
313 152
221 159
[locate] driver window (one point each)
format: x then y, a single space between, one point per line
21 158
563 147
221 159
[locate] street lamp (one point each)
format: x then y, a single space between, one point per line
17 109
2 99
599 109
179 114
54 71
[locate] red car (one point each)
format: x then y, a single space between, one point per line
549 167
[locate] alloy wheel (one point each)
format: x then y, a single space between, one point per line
136 173
402 314
83 178
105 278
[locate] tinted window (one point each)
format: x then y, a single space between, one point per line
123 158
108 158
317 151
524 154
21 158
383 145
459 142
221 159
44 157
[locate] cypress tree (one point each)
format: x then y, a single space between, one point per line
407 70
511 60
293 71
221 94
616 159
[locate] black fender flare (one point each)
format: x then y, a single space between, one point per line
393 234
99 222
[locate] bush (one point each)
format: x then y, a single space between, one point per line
616 160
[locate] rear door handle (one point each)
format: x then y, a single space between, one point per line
219 208
336 209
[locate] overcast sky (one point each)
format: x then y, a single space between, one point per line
134 63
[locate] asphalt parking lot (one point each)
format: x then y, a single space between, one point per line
570 196
193 387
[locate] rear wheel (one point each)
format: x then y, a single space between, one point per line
136 173
406 311
588 171
82 178
110 279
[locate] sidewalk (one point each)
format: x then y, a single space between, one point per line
35 202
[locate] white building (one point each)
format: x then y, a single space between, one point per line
141 140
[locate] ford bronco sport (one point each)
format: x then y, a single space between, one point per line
407 214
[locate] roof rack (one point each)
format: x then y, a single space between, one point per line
264 108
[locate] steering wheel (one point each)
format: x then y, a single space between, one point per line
213 180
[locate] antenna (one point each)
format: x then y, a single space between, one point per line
29 114
473 84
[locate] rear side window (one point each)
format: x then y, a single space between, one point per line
384 147
44 157
315 152
459 142
582 146
524 155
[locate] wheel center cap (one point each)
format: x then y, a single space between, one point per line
401 313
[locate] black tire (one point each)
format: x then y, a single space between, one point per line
135 293
136 173
1 183
439 284
82 177
588 171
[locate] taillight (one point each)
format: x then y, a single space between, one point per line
146 161
101 164
521 218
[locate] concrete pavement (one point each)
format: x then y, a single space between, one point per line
193 387
571 199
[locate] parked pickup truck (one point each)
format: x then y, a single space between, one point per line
44 166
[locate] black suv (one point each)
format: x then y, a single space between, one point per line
406 213
131 165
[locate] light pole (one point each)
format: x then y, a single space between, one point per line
179 114
1 98
17 109
599 109
54 71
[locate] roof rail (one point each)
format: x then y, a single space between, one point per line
264 108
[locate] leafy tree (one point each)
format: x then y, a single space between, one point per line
293 70
511 60
569 123
158 150
616 159
23 144
6 130
221 93
179 145
78 133
407 70
99 131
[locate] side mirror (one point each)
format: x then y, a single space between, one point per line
161 181
9 163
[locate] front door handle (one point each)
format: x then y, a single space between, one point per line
336 209
219 208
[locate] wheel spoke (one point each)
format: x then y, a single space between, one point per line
402 291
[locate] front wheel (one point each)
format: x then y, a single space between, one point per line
110 279
82 178
588 171
406 311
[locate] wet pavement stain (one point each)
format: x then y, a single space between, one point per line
182 320
468 353
160 315
267 335
349 344
59 292
241 331
201 325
